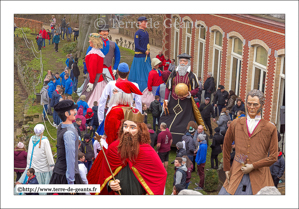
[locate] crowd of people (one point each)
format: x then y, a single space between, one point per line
111 103
55 33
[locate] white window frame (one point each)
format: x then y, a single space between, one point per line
238 57
176 30
188 35
263 68
279 103
203 41
215 46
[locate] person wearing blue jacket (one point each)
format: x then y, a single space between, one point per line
57 80
201 160
51 88
277 169
82 104
39 42
54 101
68 91
56 41
62 78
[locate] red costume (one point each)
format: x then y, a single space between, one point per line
94 62
147 169
154 79
111 127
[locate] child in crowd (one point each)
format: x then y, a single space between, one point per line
188 163
95 120
144 108
31 179
240 114
49 36
180 172
83 119
87 149
82 104
68 56
68 91
39 42
82 167
89 115
57 79
166 63
76 33
77 125
56 41
63 79
156 109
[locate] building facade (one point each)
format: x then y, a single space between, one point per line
243 52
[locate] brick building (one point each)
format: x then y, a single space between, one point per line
243 52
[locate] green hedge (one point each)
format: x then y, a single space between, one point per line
211 180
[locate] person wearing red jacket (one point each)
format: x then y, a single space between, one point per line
49 36
160 56
166 63
154 76
44 35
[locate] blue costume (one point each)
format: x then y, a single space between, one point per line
140 68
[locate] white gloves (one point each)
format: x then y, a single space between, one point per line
100 121
247 169
227 174
114 72
89 87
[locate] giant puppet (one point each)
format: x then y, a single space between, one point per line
180 109
256 147
141 65
135 164
121 99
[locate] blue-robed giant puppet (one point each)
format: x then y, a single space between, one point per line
110 50
141 65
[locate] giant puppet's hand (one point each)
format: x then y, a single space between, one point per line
247 168
89 87
114 185
227 174
114 72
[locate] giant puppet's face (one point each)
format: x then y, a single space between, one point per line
72 116
253 106
131 127
143 24
90 43
104 34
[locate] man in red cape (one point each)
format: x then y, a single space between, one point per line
135 164
122 97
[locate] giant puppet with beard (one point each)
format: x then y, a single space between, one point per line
135 164
120 101
181 108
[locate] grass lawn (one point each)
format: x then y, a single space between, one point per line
56 63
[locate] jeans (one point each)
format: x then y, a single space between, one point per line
207 94
49 41
63 31
231 116
88 165
154 122
45 109
56 118
75 38
75 83
56 47
44 42
39 47
187 184
201 173
220 108
191 157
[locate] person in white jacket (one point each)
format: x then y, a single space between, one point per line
122 72
39 157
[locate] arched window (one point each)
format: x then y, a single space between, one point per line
217 49
236 63
281 94
188 27
176 38
259 68
201 50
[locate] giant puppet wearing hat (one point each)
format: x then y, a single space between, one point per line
66 169
120 101
182 85
141 65
135 164
111 51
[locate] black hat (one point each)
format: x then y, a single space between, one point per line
179 187
184 56
86 136
221 87
217 129
142 18
103 27
65 105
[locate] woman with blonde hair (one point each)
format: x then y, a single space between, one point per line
94 59
39 157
